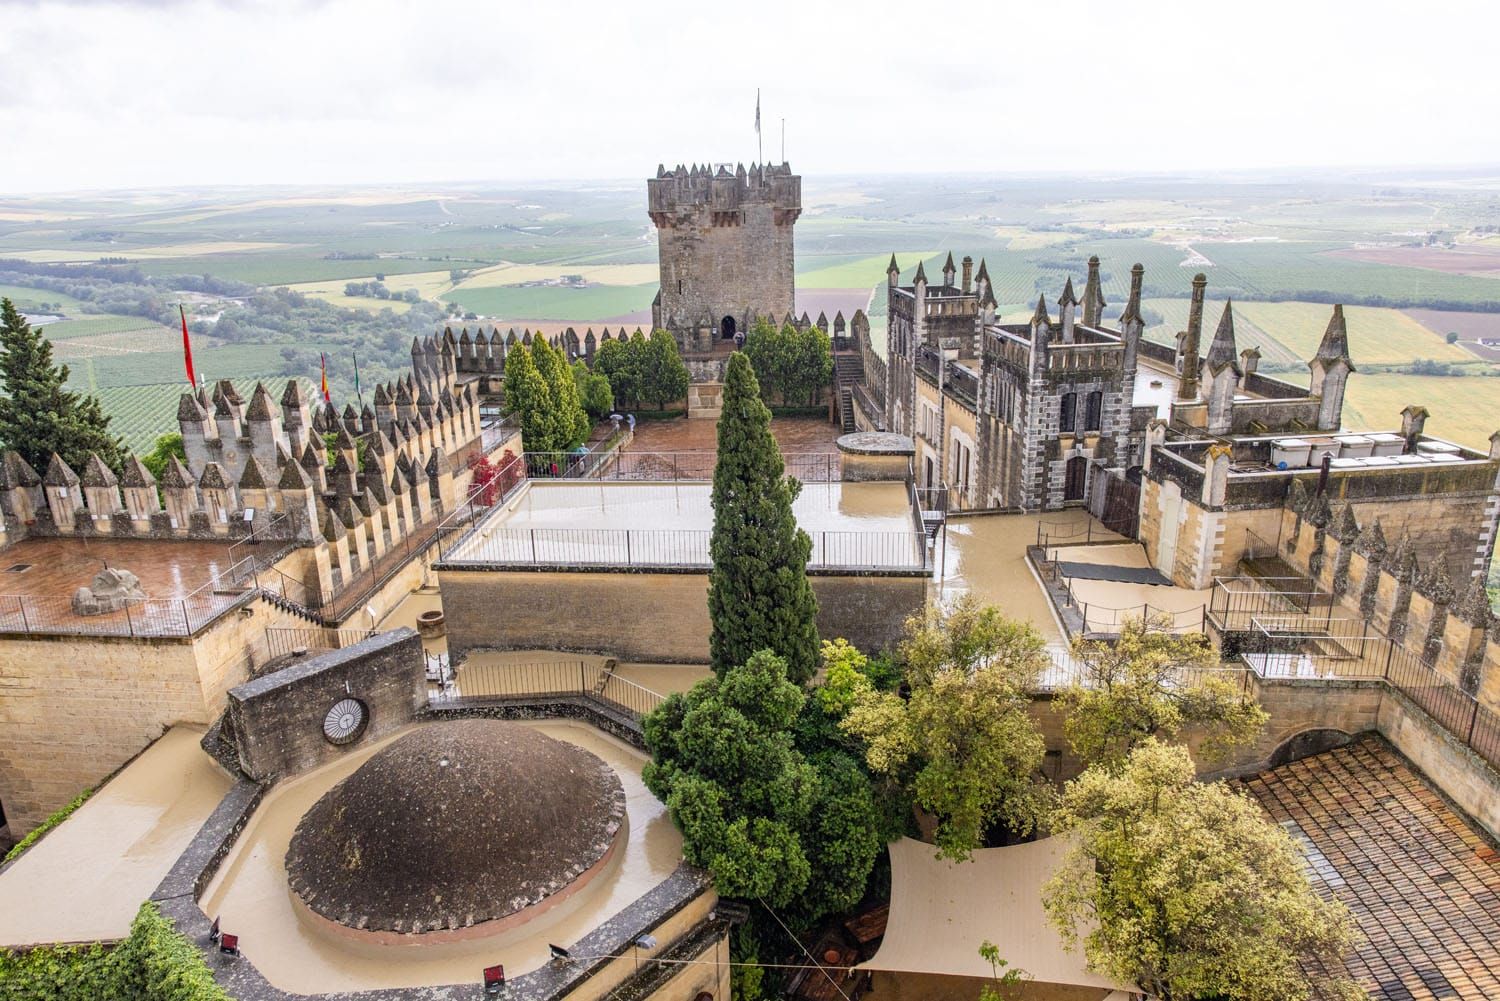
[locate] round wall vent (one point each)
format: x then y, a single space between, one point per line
345 721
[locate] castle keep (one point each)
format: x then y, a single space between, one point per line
726 249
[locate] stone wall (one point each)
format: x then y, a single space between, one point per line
652 617
276 721
73 709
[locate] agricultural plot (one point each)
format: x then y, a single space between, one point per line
288 269
93 325
27 298
551 302
230 361
1465 409
866 272
140 414
1469 327
1291 270
594 274
1376 336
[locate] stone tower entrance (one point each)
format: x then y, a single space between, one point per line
726 249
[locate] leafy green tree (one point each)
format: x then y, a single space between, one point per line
621 366
759 597
570 422
722 760
813 363
1188 890
665 377
964 743
1153 682
166 446
766 346
1005 984
528 396
594 392
37 415
764 818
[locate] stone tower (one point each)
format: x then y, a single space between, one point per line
725 244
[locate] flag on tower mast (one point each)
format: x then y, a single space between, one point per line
758 151
187 348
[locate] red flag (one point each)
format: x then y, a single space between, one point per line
187 349
323 360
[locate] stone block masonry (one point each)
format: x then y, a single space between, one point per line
276 721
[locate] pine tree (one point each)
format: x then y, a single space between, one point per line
37 415
527 395
571 424
759 597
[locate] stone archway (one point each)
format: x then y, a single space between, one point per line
727 328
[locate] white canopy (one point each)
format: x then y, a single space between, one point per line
942 911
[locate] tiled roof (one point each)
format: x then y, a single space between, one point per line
1423 884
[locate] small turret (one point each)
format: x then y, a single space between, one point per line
1221 369
1330 370
1067 305
949 271
1187 386
1093 296
892 272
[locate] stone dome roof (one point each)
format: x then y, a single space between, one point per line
455 824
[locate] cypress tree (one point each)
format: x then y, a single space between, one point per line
571 423
37 415
527 394
759 597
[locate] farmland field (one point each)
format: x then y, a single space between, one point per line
90 325
286 269
594 274
1283 270
1464 408
552 302
140 414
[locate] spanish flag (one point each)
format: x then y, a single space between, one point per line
187 349
323 360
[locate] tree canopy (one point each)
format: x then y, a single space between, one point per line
37 415
594 393
1153 682
643 370
1186 889
792 365
759 597
964 743
764 819
540 390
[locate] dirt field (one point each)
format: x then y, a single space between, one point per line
1467 260
1469 327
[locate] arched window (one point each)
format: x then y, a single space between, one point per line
1067 421
1076 476
1094 411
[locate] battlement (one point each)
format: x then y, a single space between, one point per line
724 193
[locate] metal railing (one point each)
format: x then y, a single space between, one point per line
284 640
673 547
1234 602
1069 533
624 464
553 679
1319 648
1067 671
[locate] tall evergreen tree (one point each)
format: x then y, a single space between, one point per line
666 377
37 415
528 396
570 423
759 597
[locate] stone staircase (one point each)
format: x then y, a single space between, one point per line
848 372
705 400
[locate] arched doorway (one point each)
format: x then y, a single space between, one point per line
1075 478
727 328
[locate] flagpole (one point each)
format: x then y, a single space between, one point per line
760 152
358 389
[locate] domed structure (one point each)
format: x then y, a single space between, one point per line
453 825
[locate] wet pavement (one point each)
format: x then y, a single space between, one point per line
84 881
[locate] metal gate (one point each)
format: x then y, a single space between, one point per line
1115 500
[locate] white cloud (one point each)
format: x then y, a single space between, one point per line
100 94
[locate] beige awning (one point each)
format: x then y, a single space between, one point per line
941 912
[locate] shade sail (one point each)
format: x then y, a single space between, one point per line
942 911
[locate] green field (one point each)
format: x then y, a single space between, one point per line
865 272
88 325
231 361
1287 270
25 297
552 302
285 269
140 414
1463 408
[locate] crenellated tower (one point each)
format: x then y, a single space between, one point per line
725 246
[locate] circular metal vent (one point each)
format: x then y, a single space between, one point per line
345 721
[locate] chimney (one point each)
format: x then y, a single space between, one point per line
1187 385
968 274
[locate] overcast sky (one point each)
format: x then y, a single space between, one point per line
158 93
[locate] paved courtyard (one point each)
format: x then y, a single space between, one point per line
1423 884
